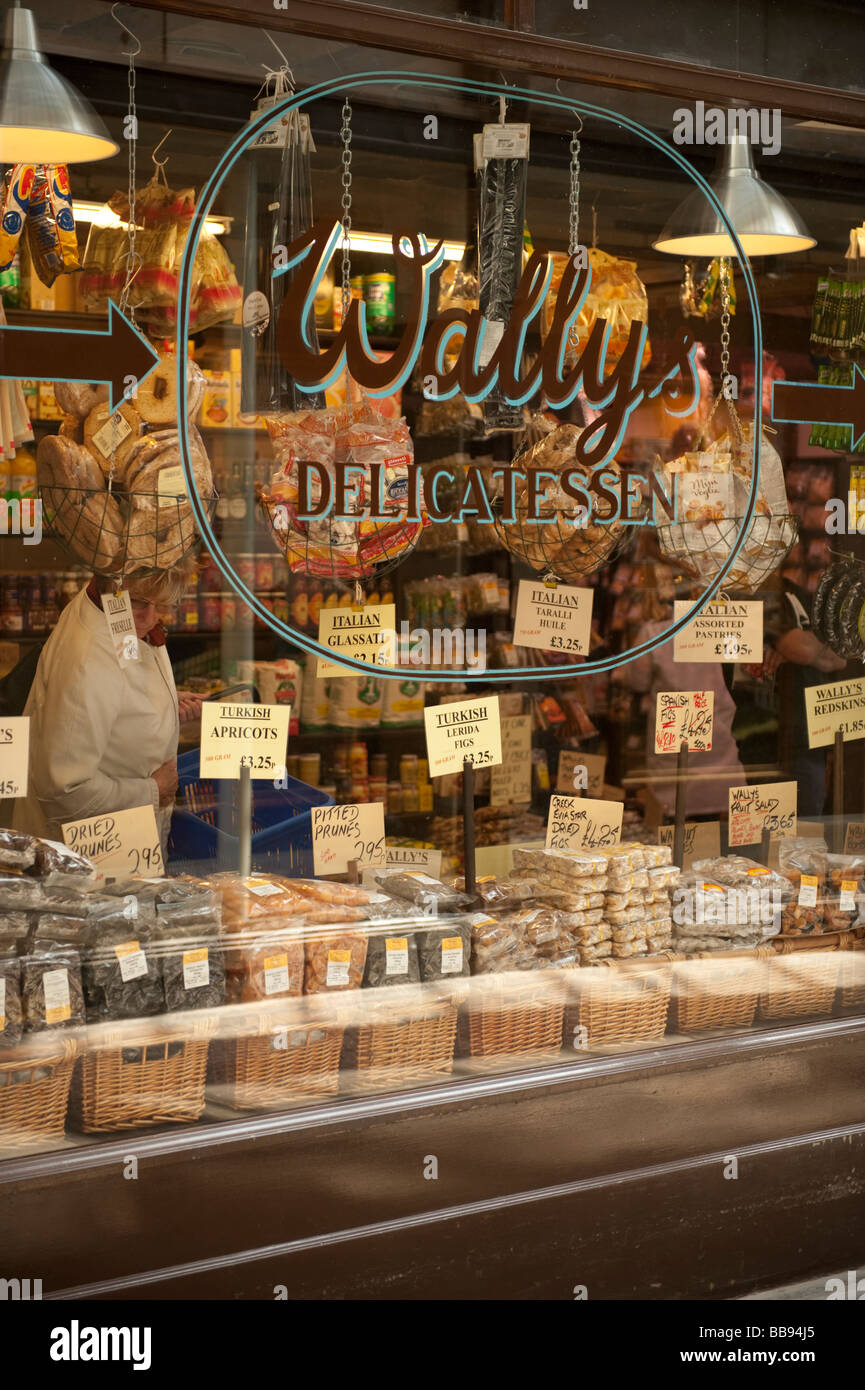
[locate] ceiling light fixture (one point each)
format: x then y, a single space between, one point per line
765 223
43 119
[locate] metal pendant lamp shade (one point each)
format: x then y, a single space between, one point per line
765 223
43 120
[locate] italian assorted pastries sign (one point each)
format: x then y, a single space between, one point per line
722 631
684 716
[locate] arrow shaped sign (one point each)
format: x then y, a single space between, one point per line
119 355
810 402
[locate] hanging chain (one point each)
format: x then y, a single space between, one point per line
725 326
133 259
346 207
574 199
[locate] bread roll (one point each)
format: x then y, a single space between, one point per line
72 428
79 397
152 455
61 462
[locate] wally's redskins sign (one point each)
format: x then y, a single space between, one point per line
460 352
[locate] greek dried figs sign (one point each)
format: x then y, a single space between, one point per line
345 834
461 729
555 617
770 806
684 716
14 755
124 844
837 708
583 823
722 631
236 736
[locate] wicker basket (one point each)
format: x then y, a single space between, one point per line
717 989
852 992
512 1018
152 1079
403 1049
618 1001
34 1092
259 1073
801 977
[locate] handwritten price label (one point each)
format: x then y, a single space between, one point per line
14 755
236 736
341 834
571 779
770 806
583 823
463 728
720 632
684 716
702 840
511 780
122 845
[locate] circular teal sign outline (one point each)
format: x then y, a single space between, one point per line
341 85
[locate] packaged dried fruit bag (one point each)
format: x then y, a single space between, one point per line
616 294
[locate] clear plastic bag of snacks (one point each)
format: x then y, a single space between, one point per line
335 962
616 295
803 860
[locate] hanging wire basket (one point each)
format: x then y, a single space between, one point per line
701 548
110 534
558 543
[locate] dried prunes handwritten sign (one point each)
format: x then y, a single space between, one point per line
460 729
684 716
341 834
583 823
124 844
836 708
770 806
722 631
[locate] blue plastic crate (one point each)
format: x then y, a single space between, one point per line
281 817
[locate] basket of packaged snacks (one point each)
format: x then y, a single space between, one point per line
618 1001
712 486
34 1092
852 992
717 989
802 975
139 1078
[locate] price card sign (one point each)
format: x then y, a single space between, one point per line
722 631
121 625
122 845
365 634
837 708
236 736
771 806
854 840
408 857
511 780
14 755
555 619
702 840
581 772
583 823
684 716
341 834
463 728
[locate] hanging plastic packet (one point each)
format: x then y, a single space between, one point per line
278 210
501 162
51 225
17 187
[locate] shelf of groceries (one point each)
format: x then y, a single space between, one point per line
150 1001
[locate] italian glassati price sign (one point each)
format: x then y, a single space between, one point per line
463 728
554 618
236 736
770 806
837 708
14 755
684 716
722 631
343 834
365 634
122 845
583 823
